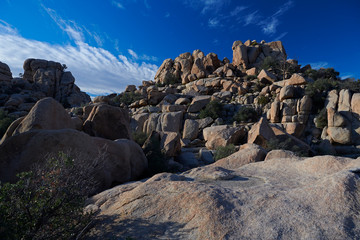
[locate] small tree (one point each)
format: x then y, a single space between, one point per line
47 202
213 109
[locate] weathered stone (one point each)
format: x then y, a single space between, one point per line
289 194
275 112
121 161
339 134
266 77
332 99
211 62
130 88
101 99
182 101
287 92
296 79
171 122
253 53
137 122
204 122
334 118
240 54
355 104
296 129
198 103
344 104
191 129
222 136
248 153
5 73
260 133
170 143
46 114
251 72
108 122
198 69
165 73
305 104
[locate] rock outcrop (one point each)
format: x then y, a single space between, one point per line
41 79
280 198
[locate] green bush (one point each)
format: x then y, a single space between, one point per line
47 202
5 122
140 137
213 109
223 152
262 100
321 119
246 114
127 98
274 144
327 73
250 77
268 63
321 85
351 84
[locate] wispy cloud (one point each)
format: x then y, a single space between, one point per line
214 23
142 57
251 18
280 36
133 54
97 71
237 10
117 4
207 5
167 15
270 24
70 27
317 65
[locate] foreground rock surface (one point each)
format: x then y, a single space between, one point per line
280 198
121 160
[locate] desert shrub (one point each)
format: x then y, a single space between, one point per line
250 77
321 119
318 90
268 63
326 73
223 152
46 202
5 121
274 144
140 137
263 100
212 109
351 84
127 98
246 114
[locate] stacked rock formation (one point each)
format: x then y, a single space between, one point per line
41 79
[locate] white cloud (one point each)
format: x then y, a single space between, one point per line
237 10
214 22
117 4
97 71
251 18
207 5
280 36
133 54
270 24
317 65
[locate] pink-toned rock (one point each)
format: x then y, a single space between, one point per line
266 77
47 113
355 103
108 122
261 133
170 143
251 72
240 54
248 153
222 135
119 161
311 198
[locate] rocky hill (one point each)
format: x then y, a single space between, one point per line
239 142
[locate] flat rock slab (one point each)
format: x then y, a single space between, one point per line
280 198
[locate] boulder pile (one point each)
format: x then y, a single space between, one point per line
41 79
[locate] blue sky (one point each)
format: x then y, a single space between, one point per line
109 44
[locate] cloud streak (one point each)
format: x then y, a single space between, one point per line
97 71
